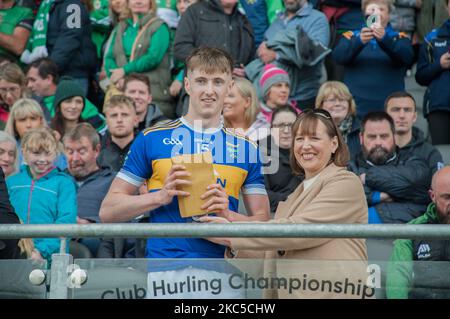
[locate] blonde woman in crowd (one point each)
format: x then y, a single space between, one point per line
335 97
241 111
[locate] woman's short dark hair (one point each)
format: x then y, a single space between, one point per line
307 122
283 108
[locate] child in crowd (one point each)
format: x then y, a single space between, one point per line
40 193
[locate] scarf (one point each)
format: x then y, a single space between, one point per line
346 127
36 46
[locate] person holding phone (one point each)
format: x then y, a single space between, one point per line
433 71
376 58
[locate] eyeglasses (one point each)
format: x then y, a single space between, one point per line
283 126
12 90
335 100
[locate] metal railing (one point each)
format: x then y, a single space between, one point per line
191 230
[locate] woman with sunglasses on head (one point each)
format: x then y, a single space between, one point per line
335 97
329 195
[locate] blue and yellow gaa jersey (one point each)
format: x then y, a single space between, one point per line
236 163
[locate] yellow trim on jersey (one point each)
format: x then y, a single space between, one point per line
235 176
239 136
348 35
166 126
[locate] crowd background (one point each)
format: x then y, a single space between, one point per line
79 80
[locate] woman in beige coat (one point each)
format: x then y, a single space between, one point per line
329 195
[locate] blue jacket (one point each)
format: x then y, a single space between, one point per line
48 199
315 24
374 70
69 44
430 73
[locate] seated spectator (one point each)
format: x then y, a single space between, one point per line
401 106
336 98
320 154
82 147
117 12
261 14
26 114
43 79
137 87
407 276
141 45
395 183
40 193
8 154
433 71
241 111
15 28
65 38
219 24
8 247
274 88
12 87
276 153
121 119
376 59
69 102
296 42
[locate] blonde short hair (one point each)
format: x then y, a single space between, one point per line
41 139
388 3
119 101
21 109
338 89
247 91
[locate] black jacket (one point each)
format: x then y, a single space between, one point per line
430 73
206 24
8 247
69 41
406 179
112 155
419 147
282 183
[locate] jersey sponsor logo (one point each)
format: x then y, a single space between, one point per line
172 141
423 251
440 44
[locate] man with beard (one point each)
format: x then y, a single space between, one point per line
121 118
82 147
395 183
430 280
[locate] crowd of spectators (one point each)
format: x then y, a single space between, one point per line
80 80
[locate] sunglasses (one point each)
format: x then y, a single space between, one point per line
320 112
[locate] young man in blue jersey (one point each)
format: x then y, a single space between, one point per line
236 164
